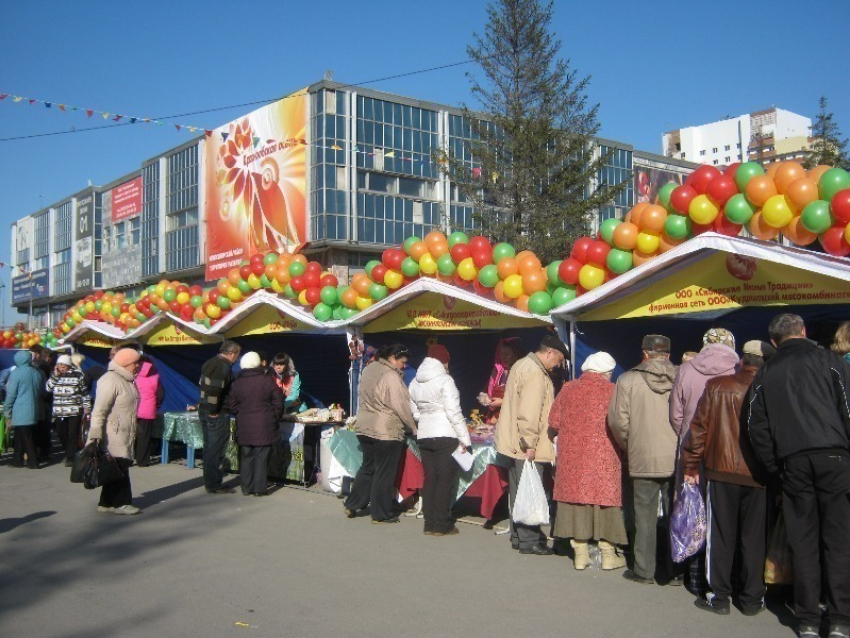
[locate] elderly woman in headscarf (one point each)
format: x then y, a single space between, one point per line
589 470
508 352
113 423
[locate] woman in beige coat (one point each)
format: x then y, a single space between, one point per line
383 415
113 423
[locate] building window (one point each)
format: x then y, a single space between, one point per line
181 225
738 145
62 273
150 220
42 235
727 159
63 228
702 153
715 162
726 148
682 156
714 150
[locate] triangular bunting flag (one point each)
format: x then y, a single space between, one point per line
192 129
147 120
117 118
207 132
105 116
224 136
48 105
3 96
89 112
62 108
133 120
177 126
32 102
336 147
390 154
16 98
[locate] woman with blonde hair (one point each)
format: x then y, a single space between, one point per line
841 342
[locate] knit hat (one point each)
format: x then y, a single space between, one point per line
64 360
439 352
655 343
719 335
601 362
126 356
759 349
250 360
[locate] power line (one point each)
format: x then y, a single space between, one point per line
233 106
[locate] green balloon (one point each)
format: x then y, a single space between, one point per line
445 265
196 301
457 238
340 290
378 291
98 305
71 323
832 181
270 258
746 172
151 289
83 312
329 296
141 316
409 267
265 282
322 312
664 196
244 287
348 313
408 243
223 302
338 313
619 261
369 265
816 217
296 269
606 230
739 210
564 295
540 303
170 295
500 251
677 226
552 273
488 276
289 293
207 323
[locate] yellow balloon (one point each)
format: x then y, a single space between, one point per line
364 302
183 298
159 289
77 317
646 243
427 265
512 287
466 269
234 294
847 233
393 280
254 282
776 212
213 311
302 298
702 210
276 286
591 276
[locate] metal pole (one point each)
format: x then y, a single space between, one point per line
2 306
29 317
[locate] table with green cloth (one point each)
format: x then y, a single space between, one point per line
182 427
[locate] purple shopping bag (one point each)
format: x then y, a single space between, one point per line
688 524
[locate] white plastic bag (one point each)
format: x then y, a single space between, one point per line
531 506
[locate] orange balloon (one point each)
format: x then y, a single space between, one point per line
281 273
652 218
800 193
529 263
772 168
223 285
522 254
787 174
438 250
761 230
417 250
636 212
816 172
284 258
534 281
362 286
668 243
233 276
499 293
760 189
507 267
639 258
797 233
522 303
435 237
349 298
625 236
301 259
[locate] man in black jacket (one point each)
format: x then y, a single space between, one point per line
800 425
214 412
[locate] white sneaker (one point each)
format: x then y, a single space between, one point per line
102 509
126 510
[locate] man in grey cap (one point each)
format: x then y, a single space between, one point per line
522 429
639 419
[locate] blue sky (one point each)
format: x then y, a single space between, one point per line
655 66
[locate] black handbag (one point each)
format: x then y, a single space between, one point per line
93 466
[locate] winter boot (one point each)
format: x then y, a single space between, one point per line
610 558
581 553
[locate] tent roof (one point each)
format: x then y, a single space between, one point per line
694 251
264 298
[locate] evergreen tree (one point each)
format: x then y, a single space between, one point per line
828 148
530 165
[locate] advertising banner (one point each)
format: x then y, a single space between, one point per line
266 320
84 262
648 181
127 200
34 285
433 311
726 281
172 334
121 260
255 181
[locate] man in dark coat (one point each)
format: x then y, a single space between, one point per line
214 412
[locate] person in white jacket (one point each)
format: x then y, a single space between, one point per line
435 403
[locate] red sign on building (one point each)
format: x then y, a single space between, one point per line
127 200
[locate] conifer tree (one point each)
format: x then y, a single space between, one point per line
828 147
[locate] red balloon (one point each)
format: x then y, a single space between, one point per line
597 253
311 280
460 252
702 177
214 295
580 290
329 280
699 229
256 259
834 242
732 169
725 227
313 295
481 289
396 257
386 257
378 273
680 198
482 257
258 268
175 307
406 281
568 271
721 188
479 243
313 266
840 206
297 283
579 251
196 291
186 312
98 295
245 272
460 281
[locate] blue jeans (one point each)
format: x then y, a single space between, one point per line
216 431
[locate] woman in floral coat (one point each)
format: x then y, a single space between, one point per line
589 470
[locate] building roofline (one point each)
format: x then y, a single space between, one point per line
655 157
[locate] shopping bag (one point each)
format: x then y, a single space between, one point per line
84 468
687 524
530 506
777 563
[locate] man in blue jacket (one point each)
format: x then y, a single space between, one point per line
23 407
800 426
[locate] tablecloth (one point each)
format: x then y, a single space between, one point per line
184 427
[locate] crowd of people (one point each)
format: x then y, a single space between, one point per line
765 432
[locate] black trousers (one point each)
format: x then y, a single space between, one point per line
68 430
523 536
254 468
142 446
118 493
375 480
25 443
216 431
441 474
736 515
42 436
816 506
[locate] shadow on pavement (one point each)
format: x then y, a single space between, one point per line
154 497
8 524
